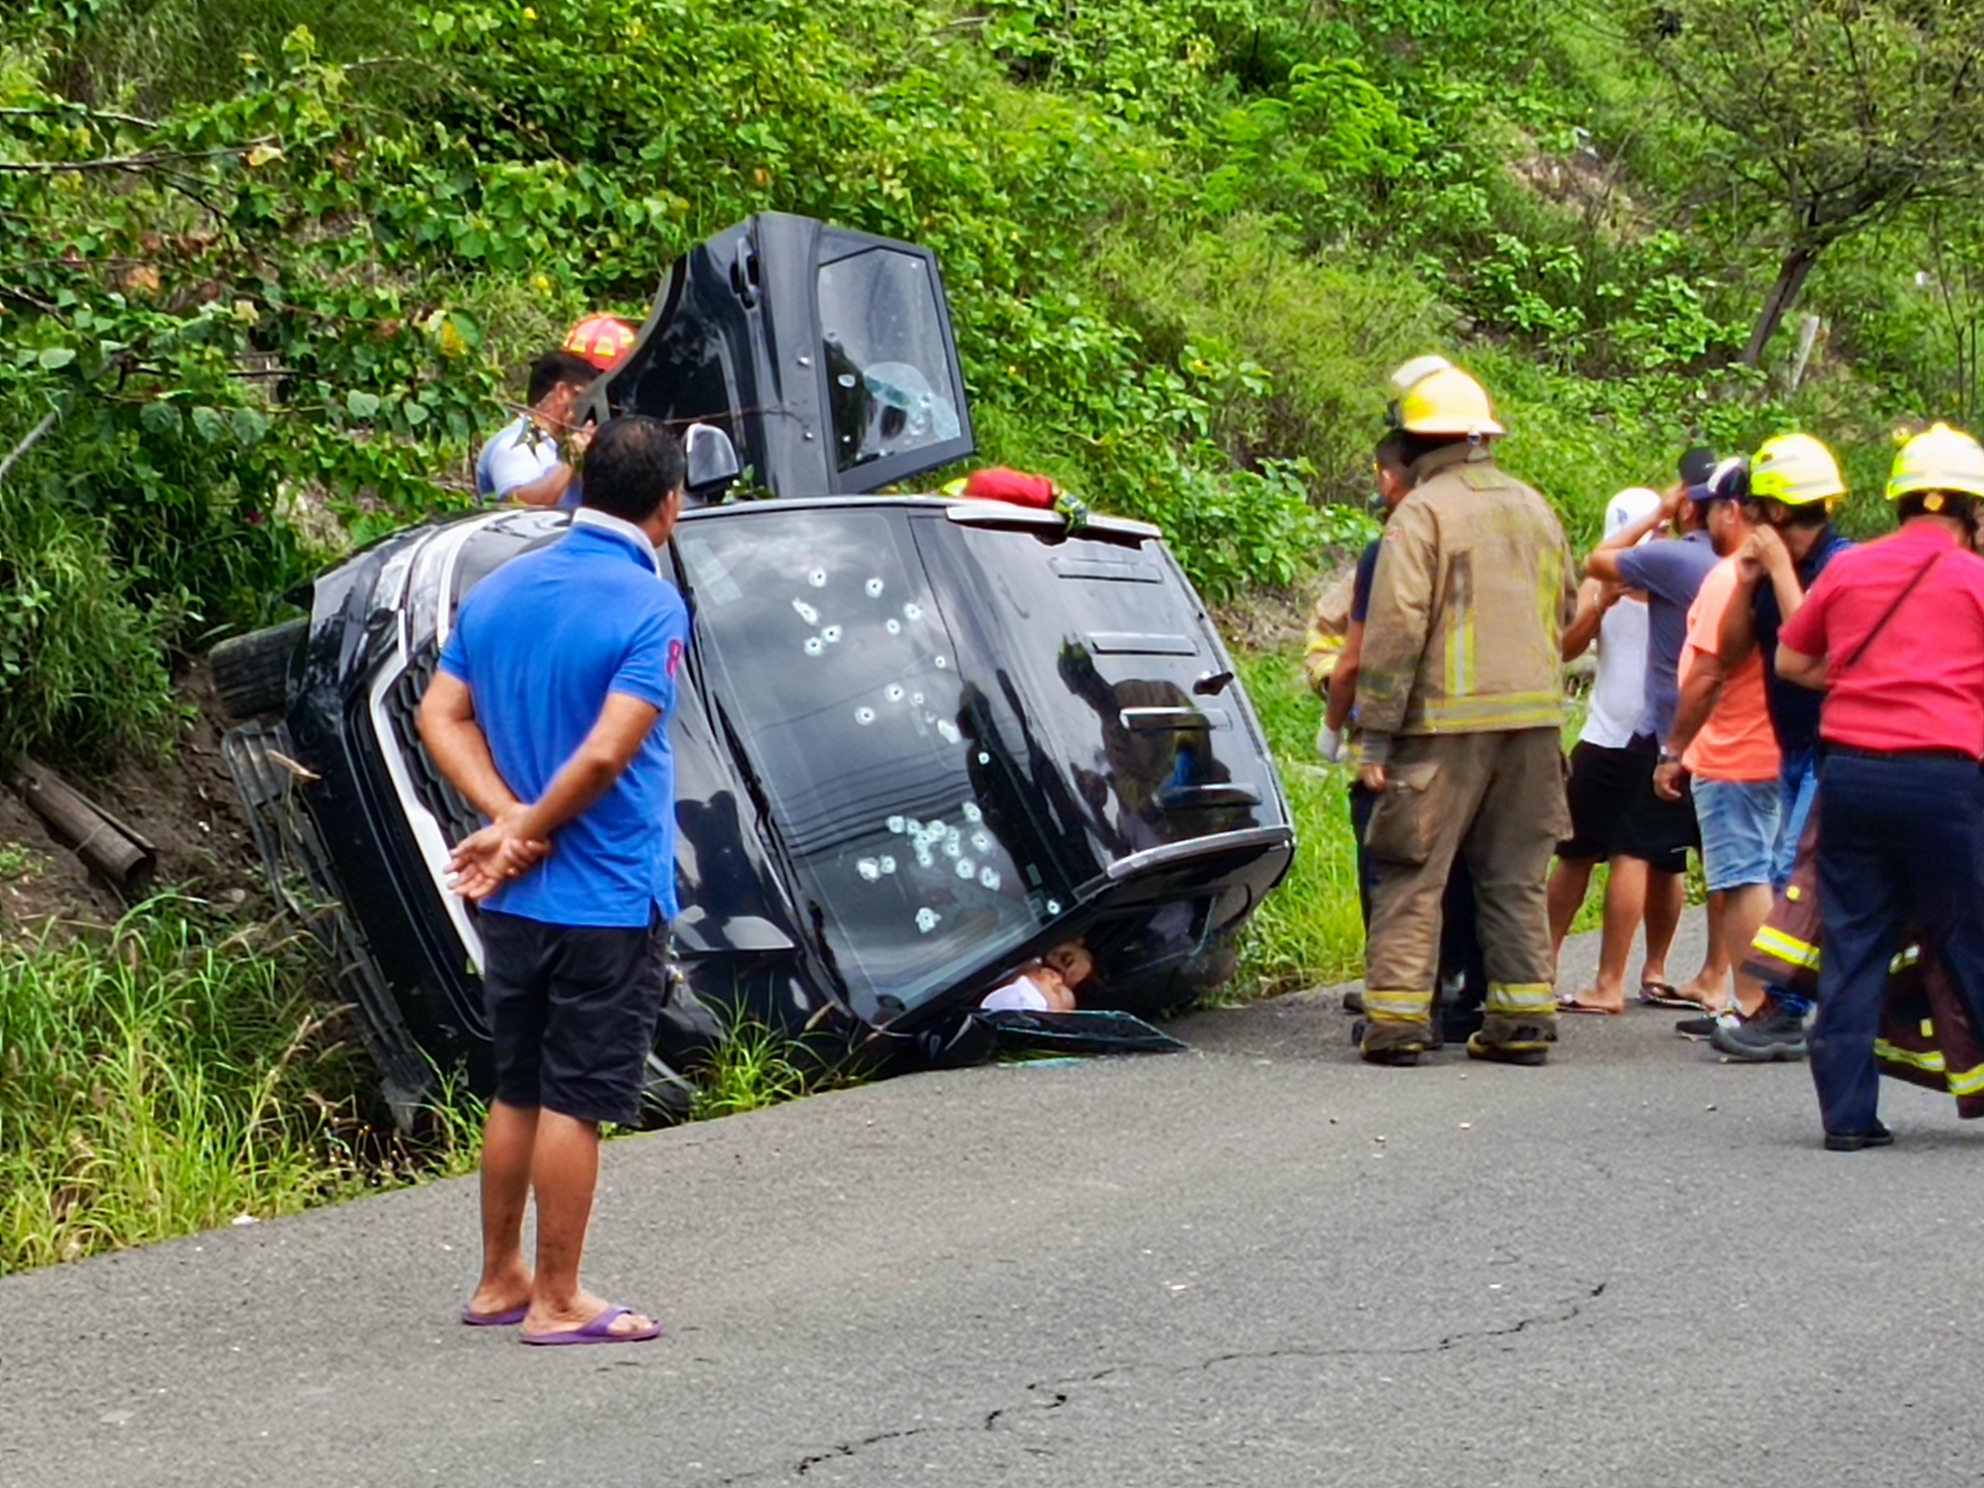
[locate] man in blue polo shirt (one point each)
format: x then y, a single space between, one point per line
548 713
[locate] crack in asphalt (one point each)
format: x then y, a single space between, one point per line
847 1449
1051 1395
1569 1310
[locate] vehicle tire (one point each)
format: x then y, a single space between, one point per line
251 672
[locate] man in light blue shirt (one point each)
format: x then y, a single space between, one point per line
548 713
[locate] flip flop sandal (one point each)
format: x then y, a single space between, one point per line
599 1330
508 1318
1572 1005
1665 994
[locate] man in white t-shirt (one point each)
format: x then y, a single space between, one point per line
1614 751
532 461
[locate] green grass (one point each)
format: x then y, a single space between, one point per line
18 862
154 1082
179 1072
752 1068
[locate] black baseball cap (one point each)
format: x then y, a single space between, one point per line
1697 465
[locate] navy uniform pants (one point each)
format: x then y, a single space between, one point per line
1902 843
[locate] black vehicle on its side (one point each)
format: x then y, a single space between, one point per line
920 741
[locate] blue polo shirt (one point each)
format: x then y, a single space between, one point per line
540 644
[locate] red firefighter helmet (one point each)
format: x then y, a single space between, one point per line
601 339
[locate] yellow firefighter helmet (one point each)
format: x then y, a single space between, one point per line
1436 397
1942 459
1796 470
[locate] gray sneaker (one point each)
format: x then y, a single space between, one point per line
1772 1035
1701 1027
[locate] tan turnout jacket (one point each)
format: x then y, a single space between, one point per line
1473 589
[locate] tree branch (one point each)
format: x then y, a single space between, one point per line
135 164
54 111
35 435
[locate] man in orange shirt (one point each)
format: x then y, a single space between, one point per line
1722 737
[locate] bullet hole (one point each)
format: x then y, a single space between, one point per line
981 841
912 611
940 663
989 877
927 919
886 863
893 692
864 716
814 646
874 588
967 869
806 612
817 578
831 635
869 869
894 627
970 812
896 825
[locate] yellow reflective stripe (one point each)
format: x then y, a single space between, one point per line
1398 1007
1522 997
1967 1082
1909 956
1460 655
1504 710
1786 948
1549 587
1930 1059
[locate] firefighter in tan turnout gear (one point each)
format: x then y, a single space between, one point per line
1460 702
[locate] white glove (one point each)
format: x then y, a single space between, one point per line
1329 743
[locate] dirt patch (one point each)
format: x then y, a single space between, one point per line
186 807
1273 619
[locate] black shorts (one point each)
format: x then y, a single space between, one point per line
572 1013
1603 786
1656 831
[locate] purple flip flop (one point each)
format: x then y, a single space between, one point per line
507 1319
599 1330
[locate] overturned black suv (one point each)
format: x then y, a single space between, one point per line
922 741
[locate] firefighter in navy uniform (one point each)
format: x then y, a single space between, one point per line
1460 699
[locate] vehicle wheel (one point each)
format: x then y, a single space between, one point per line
251 672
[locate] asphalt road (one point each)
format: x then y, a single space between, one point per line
1257 1263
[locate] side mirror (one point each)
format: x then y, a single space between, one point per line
712 463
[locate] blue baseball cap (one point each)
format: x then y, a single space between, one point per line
1729 481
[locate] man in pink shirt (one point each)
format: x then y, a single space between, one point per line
1894 632
1722 737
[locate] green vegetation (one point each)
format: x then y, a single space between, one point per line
155 1082
177 1073
752 1068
